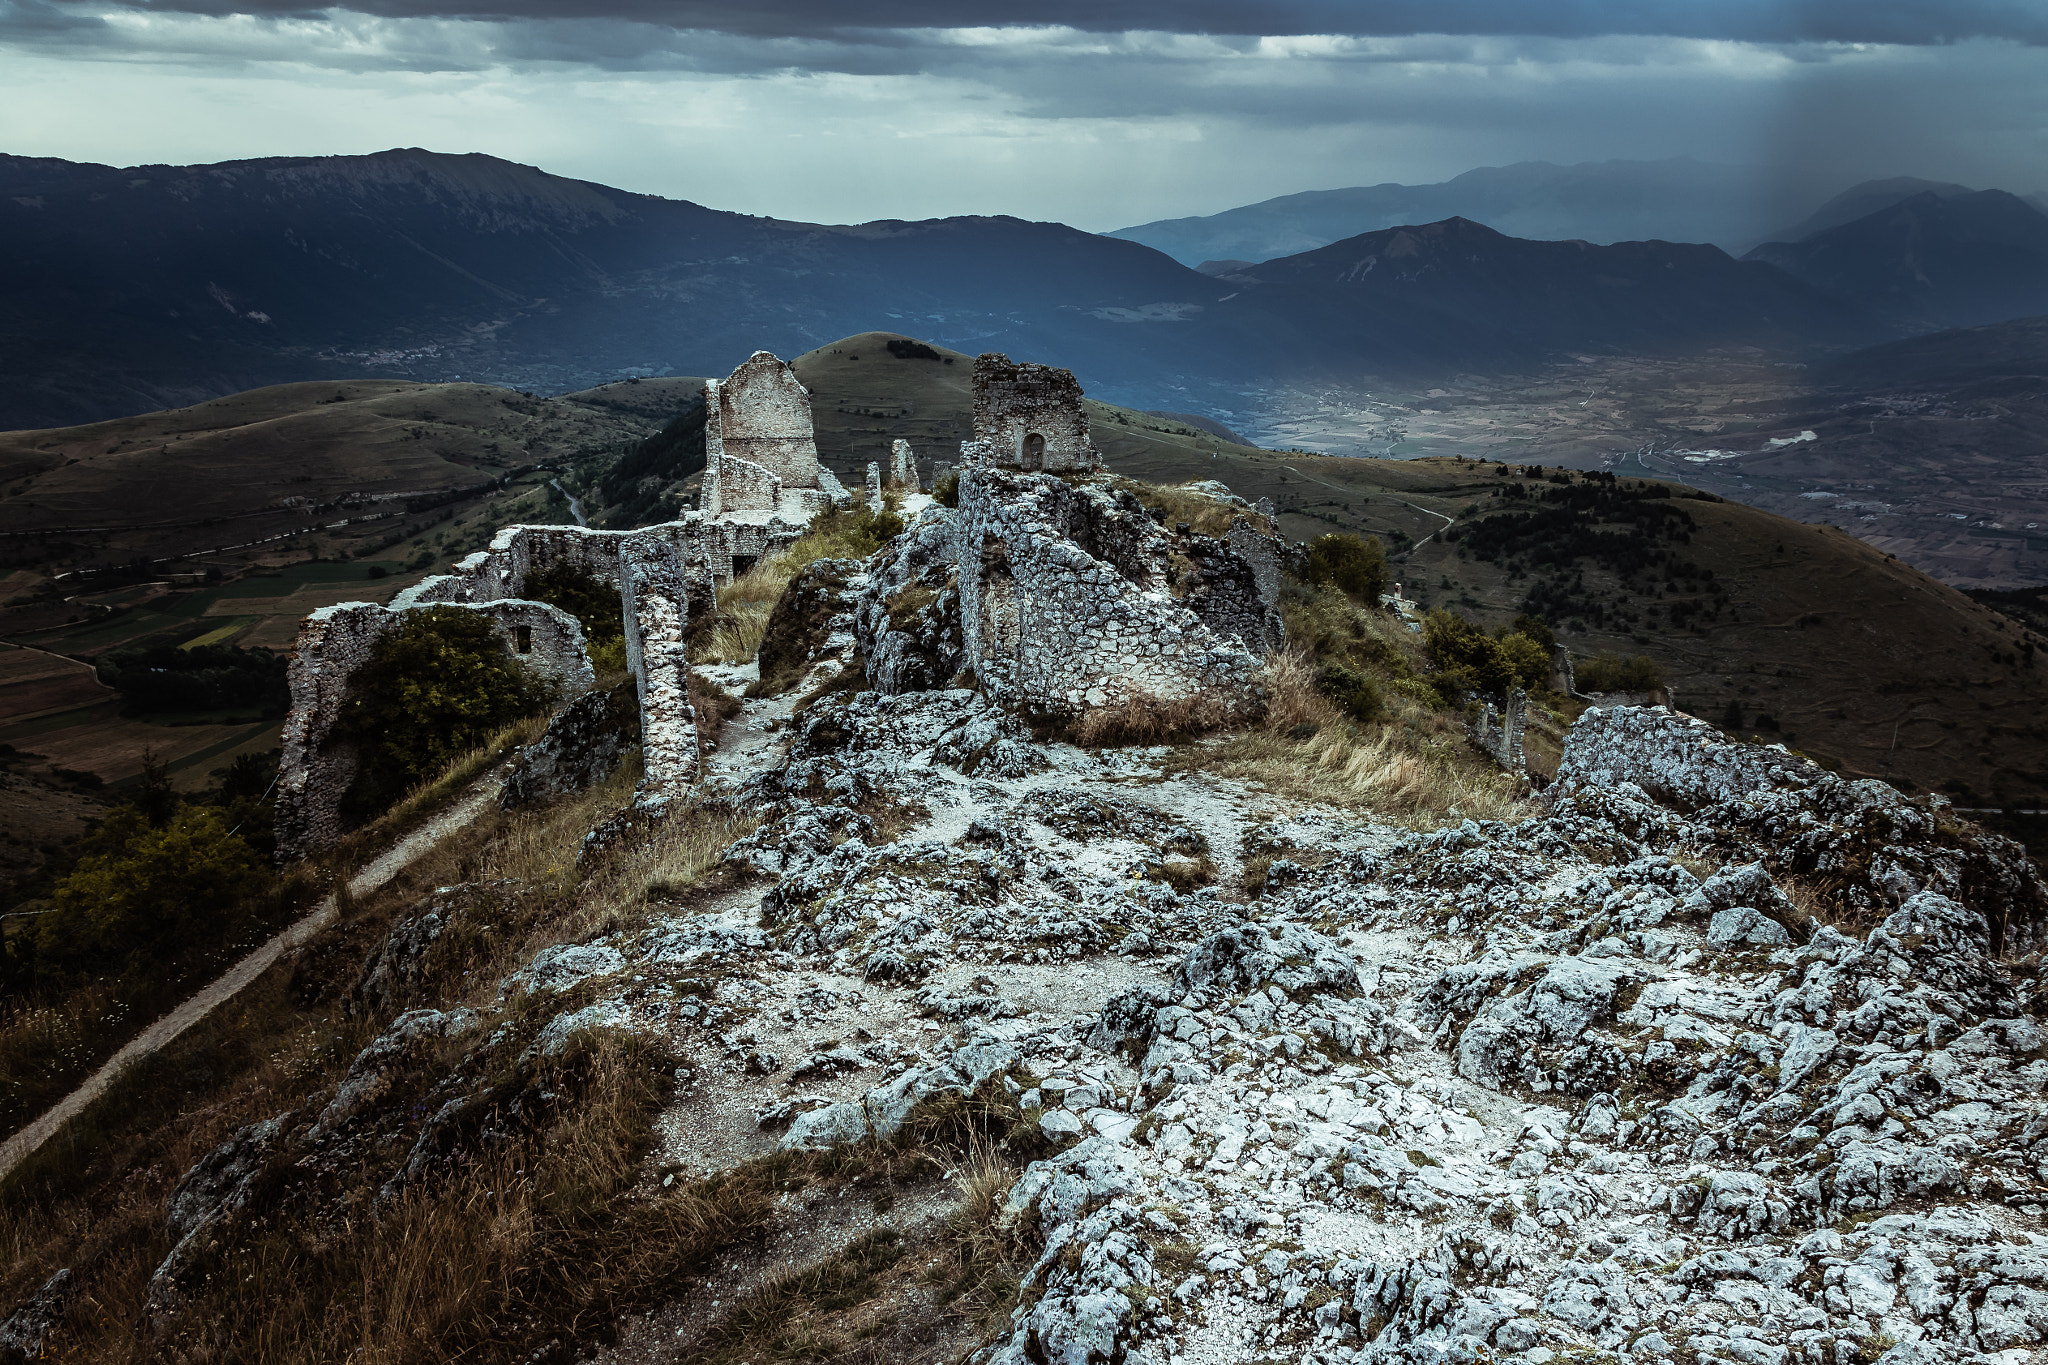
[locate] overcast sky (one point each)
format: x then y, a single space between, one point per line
1098 114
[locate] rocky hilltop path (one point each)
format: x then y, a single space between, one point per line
230 983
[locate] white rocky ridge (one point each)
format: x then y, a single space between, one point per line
1586 1085
1595 1084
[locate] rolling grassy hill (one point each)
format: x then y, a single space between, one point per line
279 460
226 522
1815 638
1820 640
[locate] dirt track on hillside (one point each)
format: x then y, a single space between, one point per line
153 1039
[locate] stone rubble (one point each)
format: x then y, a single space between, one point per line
1597 1084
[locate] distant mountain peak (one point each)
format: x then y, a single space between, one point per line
1930 259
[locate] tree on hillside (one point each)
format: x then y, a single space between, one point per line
434 688
146 887
1470 660
1353 564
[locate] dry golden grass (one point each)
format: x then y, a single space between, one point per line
1417 766
1145 719
1203 514
745 604
668 865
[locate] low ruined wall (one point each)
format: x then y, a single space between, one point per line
1499 734
656 598
1052 627
500 571
732 484
316 766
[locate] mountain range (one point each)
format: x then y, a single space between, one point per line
1679 199
127 290
1934 259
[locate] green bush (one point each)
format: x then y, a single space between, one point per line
1537 629
433 689
946 492
1612 673
1468 659
592 601
144 887
1352 564
1352 690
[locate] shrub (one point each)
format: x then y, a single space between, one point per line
1612 673
151 886
1355 693
583 595
433 689
1356 565
946 492
205 678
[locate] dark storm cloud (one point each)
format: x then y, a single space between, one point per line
1911 22
39 18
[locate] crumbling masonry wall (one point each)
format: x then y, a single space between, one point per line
1028 417
667 575
760 452
1064 603
656 596
316 766
1499 734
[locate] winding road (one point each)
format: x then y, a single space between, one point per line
575 503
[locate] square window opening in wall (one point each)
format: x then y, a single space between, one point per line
522 639
743 564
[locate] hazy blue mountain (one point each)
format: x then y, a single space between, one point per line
125 290
1860 201
1930 260
1678 200
1459 292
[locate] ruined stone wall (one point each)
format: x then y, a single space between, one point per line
667 576
1029 417
656 598
317 766
1054 628
903 466
761 413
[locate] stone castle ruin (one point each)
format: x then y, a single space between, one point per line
762 484
1057 597
760 449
